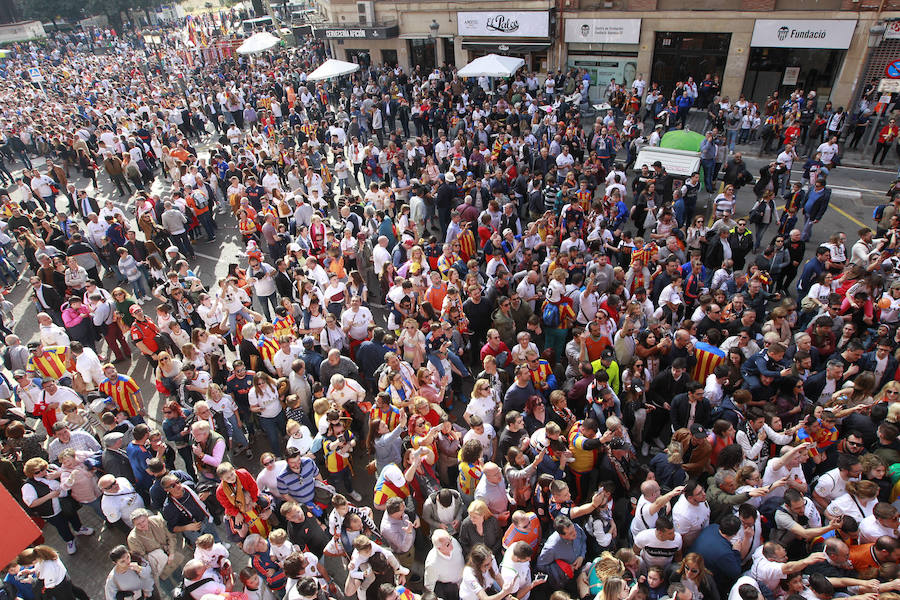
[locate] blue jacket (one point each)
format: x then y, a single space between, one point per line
720 557
817 203
683 102
811 271
762 364
138 456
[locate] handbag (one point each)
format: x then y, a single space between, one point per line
757 212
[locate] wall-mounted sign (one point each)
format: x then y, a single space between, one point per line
791 74
358 33
889 85
892 30
805 33
505 23
893 70
603 31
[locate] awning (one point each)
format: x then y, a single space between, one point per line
258 42
509 46
492 65
332 68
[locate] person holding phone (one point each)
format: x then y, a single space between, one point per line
515 569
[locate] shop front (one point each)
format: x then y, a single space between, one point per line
525 34
789 54
362 44
606 48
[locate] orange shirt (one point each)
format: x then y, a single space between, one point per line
863 560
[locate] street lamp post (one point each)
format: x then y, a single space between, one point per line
433 35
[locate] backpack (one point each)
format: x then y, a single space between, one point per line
184 593
550 315
201 204
878 212
767 511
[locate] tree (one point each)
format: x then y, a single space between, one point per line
111 8
53 10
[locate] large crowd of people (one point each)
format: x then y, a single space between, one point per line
468 350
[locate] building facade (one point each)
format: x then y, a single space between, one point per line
753 46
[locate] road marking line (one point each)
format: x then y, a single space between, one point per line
850 217
856 189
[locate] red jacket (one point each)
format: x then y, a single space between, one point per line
249 485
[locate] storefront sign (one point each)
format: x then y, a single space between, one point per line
358 33
603 31
892 30
785 33
506 23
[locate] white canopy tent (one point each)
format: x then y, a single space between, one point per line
332 68
258 42
492 65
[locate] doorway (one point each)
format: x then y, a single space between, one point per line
422 54
678 55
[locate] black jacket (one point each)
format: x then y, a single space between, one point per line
737 174
681 411
814 385
868 362
52 298
663 387
115 462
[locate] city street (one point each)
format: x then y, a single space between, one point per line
855 192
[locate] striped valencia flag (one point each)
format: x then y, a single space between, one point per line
708 358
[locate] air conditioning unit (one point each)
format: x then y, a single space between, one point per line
366 12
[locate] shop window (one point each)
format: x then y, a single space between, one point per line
449 51
699 5
422 54
771 69
389 57
808 4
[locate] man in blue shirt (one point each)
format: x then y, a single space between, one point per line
815 206
811 271
719 556
708 149
563 554
138 455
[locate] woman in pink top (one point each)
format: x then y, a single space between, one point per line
79 480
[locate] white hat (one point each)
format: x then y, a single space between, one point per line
553 294
450 177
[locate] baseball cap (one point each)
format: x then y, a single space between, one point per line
698 431
134 309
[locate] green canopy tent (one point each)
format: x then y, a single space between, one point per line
682 140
